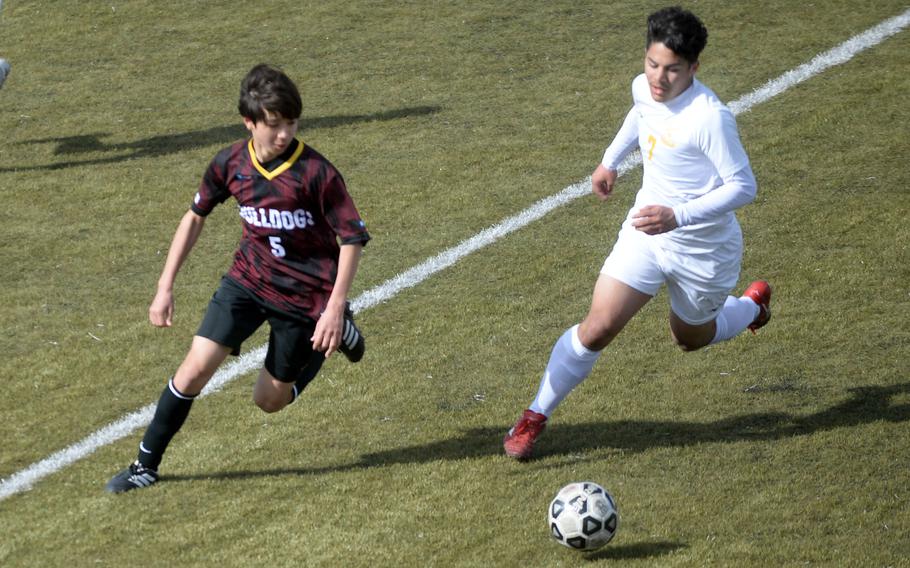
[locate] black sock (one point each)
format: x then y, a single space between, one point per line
310 371
173 408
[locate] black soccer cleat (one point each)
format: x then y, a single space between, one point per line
352 343
136 476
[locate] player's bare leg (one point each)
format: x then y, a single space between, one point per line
751 311
613 304
203 359
574 354
691 337
173 407
270 394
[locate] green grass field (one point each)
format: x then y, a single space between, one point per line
787 448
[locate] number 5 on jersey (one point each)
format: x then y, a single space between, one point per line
277 247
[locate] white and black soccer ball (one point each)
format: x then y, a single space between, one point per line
583 516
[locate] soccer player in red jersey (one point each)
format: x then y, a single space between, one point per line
298 254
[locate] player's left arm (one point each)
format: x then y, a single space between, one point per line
719 140
343 217
327 335
737 190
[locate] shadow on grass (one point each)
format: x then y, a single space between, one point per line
635 551
866 404
176 143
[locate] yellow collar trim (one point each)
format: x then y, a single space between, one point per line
270 175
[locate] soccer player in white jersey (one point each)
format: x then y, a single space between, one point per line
681 232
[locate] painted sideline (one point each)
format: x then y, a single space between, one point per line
24 479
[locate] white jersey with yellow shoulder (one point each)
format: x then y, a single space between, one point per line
693 161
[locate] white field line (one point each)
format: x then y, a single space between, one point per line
24 479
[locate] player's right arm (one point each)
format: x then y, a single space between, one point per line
602 181
604 177
161 311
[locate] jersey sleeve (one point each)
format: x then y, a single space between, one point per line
623 143
213 189
738 189
719 140
626 139
341 213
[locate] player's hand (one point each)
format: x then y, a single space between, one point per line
327 335
161 312
654 219
602 181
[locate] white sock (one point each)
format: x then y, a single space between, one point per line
570 362
734 317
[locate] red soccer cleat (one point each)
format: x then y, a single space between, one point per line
760 293
519 442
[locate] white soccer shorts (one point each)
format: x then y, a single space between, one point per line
698 283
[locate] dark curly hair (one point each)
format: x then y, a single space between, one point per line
678 29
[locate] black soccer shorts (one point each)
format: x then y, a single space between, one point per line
234 314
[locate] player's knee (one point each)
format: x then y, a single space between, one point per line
596 335
269 404
191 378
688 348
192 372
687 344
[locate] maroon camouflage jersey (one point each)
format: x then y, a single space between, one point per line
294 211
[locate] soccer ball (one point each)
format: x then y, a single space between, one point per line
583 516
